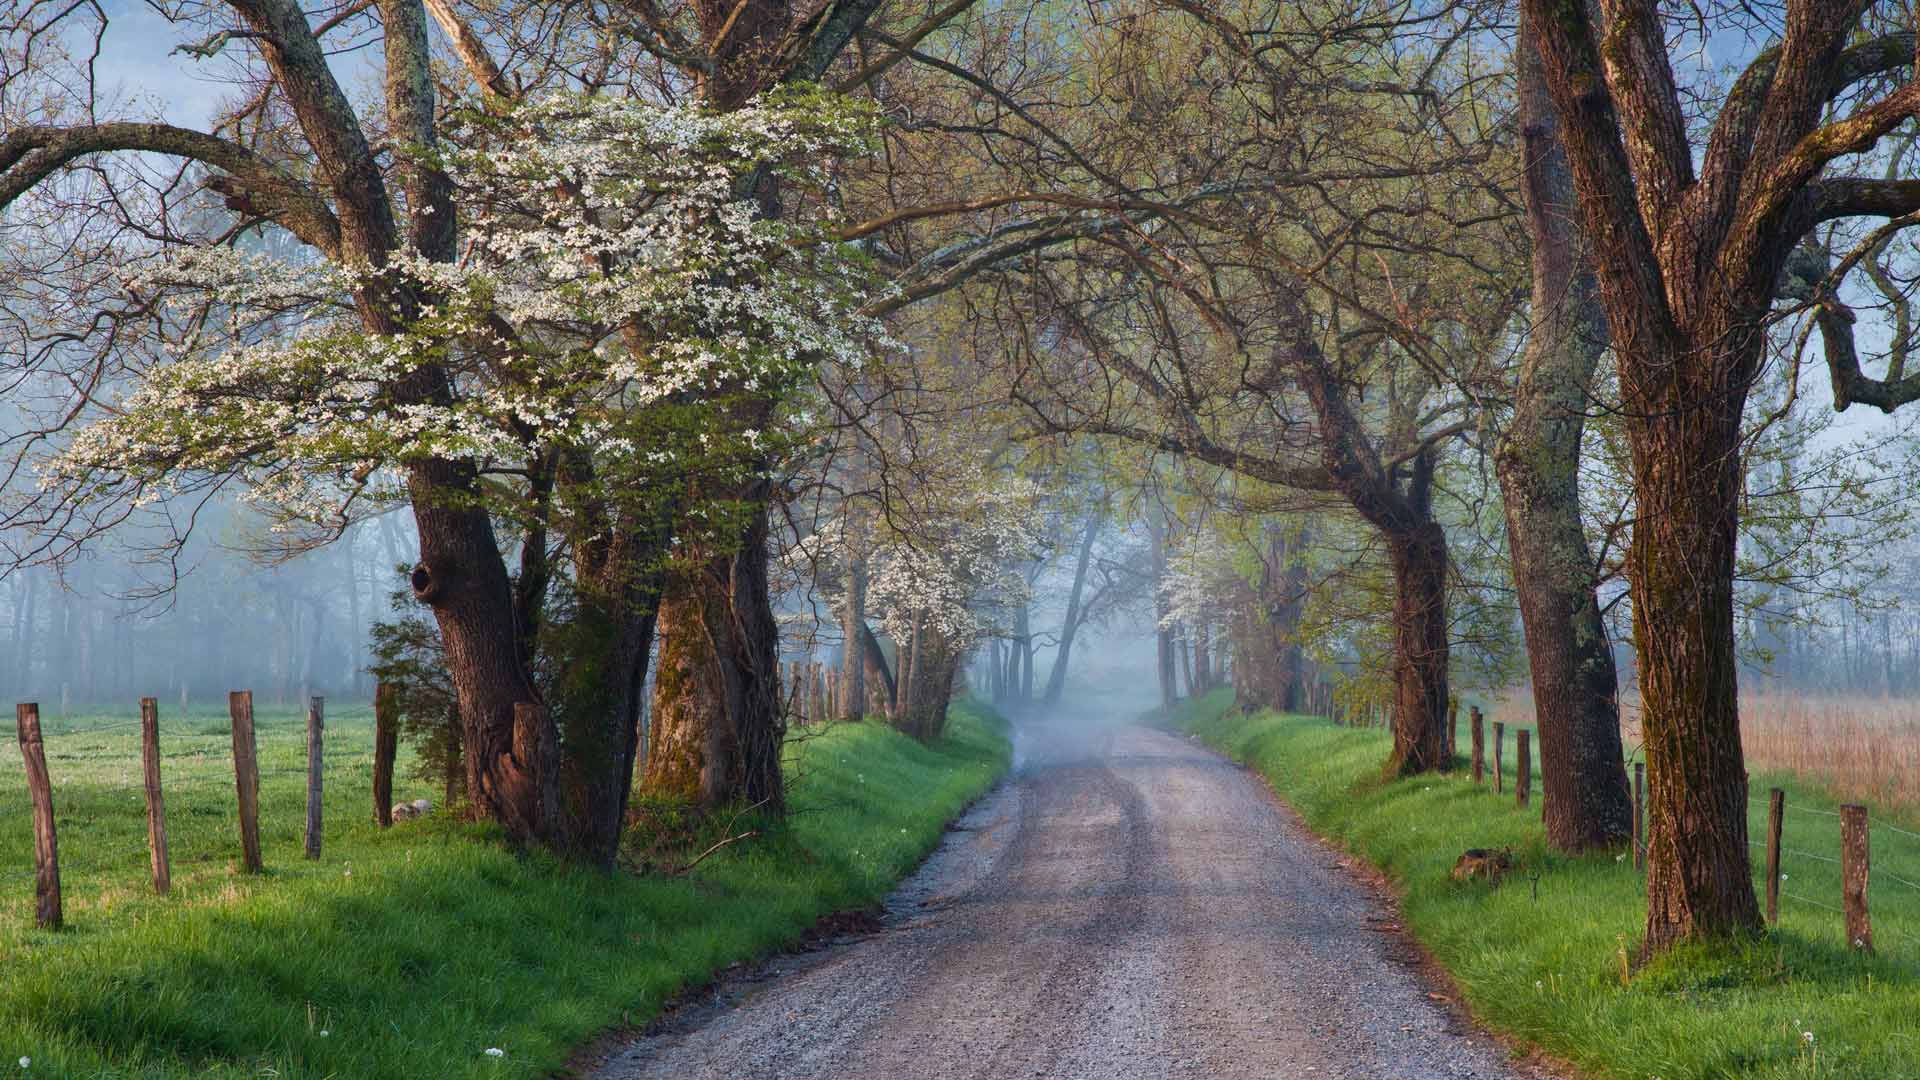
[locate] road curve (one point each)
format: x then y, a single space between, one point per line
1127 905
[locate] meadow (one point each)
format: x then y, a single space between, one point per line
418 950
1546 956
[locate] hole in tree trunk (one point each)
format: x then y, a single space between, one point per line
426 584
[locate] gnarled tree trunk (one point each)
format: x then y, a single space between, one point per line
462 578
717 722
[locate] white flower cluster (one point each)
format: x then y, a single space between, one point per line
612 258
1200 581
958 561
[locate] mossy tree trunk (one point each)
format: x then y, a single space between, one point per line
717 721
1575 686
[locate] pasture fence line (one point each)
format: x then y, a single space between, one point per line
48 914
1854 833
1854 862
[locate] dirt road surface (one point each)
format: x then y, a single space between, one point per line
1126 905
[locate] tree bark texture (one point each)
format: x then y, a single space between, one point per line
718 725
1420 650
1537 461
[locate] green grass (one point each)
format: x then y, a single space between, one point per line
409 952
1548 968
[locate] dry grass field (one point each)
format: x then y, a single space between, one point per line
1864 749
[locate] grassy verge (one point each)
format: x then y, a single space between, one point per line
409 952
1543 958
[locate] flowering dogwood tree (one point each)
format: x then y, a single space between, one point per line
936 570
529 312
608 274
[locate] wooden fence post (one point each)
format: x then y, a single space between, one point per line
1853 875
1453 727
316 761
156 806
246 778
1499 745
1523 787
386 746
46 847
1776 819
1479 744
1640 815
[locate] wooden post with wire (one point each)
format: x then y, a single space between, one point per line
1776 820
386 747
1523 785
1499 744
316 762
246 778
1853 876
1479 744
156 806
46 847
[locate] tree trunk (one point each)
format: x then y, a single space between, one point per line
1186 658
717 722
1273 655
853 634
687 743
751 663
1057 678
1202 662
928 686
598 694
1163 637
1681 566
879 677
1419 559
1537 461
463 579
1023 654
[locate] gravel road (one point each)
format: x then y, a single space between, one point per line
1126 905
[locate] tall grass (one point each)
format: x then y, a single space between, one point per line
1863 749
1857 748
409 952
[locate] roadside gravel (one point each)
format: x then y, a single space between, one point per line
1127 905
